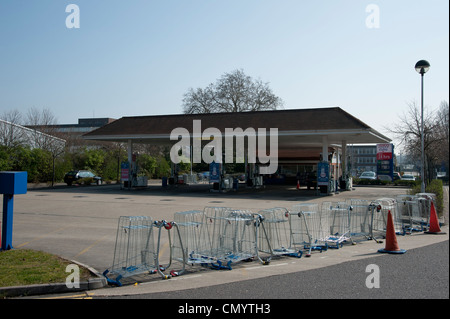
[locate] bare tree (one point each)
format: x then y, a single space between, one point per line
408 131
44 133
233 92
11 134
42 121
200 100
442 134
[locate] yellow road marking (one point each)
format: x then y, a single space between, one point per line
89 247
77 296
43 236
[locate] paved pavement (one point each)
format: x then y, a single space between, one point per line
80 223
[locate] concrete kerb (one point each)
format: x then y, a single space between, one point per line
97 281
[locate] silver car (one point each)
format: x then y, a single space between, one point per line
408 178
368 175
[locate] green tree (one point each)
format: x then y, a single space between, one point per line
162 167
95 159
147 164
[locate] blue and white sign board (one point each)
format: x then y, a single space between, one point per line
214 172
323 173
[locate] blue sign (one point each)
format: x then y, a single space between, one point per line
214 172
11 183
125 171
323 173
385 160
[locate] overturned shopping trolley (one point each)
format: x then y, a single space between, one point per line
196 238
275 234
338 215
219 237
135 249
388 205
362 215
410 210
307 227
236 236
425 200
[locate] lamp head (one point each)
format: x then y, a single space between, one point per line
422 67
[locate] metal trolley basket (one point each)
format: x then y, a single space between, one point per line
219 236
235 239
389 205
410 209
276 238
338 215
196 240
307 227
135 251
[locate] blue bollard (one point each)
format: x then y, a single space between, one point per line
11 183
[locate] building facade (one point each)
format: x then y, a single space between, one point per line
361 158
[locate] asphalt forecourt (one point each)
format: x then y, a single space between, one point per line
81 223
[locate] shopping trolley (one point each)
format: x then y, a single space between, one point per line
276 237
409 207
307 227
135 250
338 215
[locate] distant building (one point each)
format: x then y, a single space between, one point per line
362 158
83 126
72 133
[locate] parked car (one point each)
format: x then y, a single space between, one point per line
408 177
76 176
368 175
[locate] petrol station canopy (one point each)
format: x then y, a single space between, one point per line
302 133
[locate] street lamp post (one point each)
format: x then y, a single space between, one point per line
422 67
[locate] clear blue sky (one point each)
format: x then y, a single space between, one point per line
138 57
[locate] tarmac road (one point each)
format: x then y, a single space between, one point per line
427 279
80 223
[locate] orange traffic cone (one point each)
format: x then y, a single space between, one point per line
434 222
391 240
298 184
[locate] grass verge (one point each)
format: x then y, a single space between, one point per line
20 267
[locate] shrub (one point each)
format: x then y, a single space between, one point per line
401 182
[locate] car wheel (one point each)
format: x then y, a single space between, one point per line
69 183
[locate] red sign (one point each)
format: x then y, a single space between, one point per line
125 174
384 156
